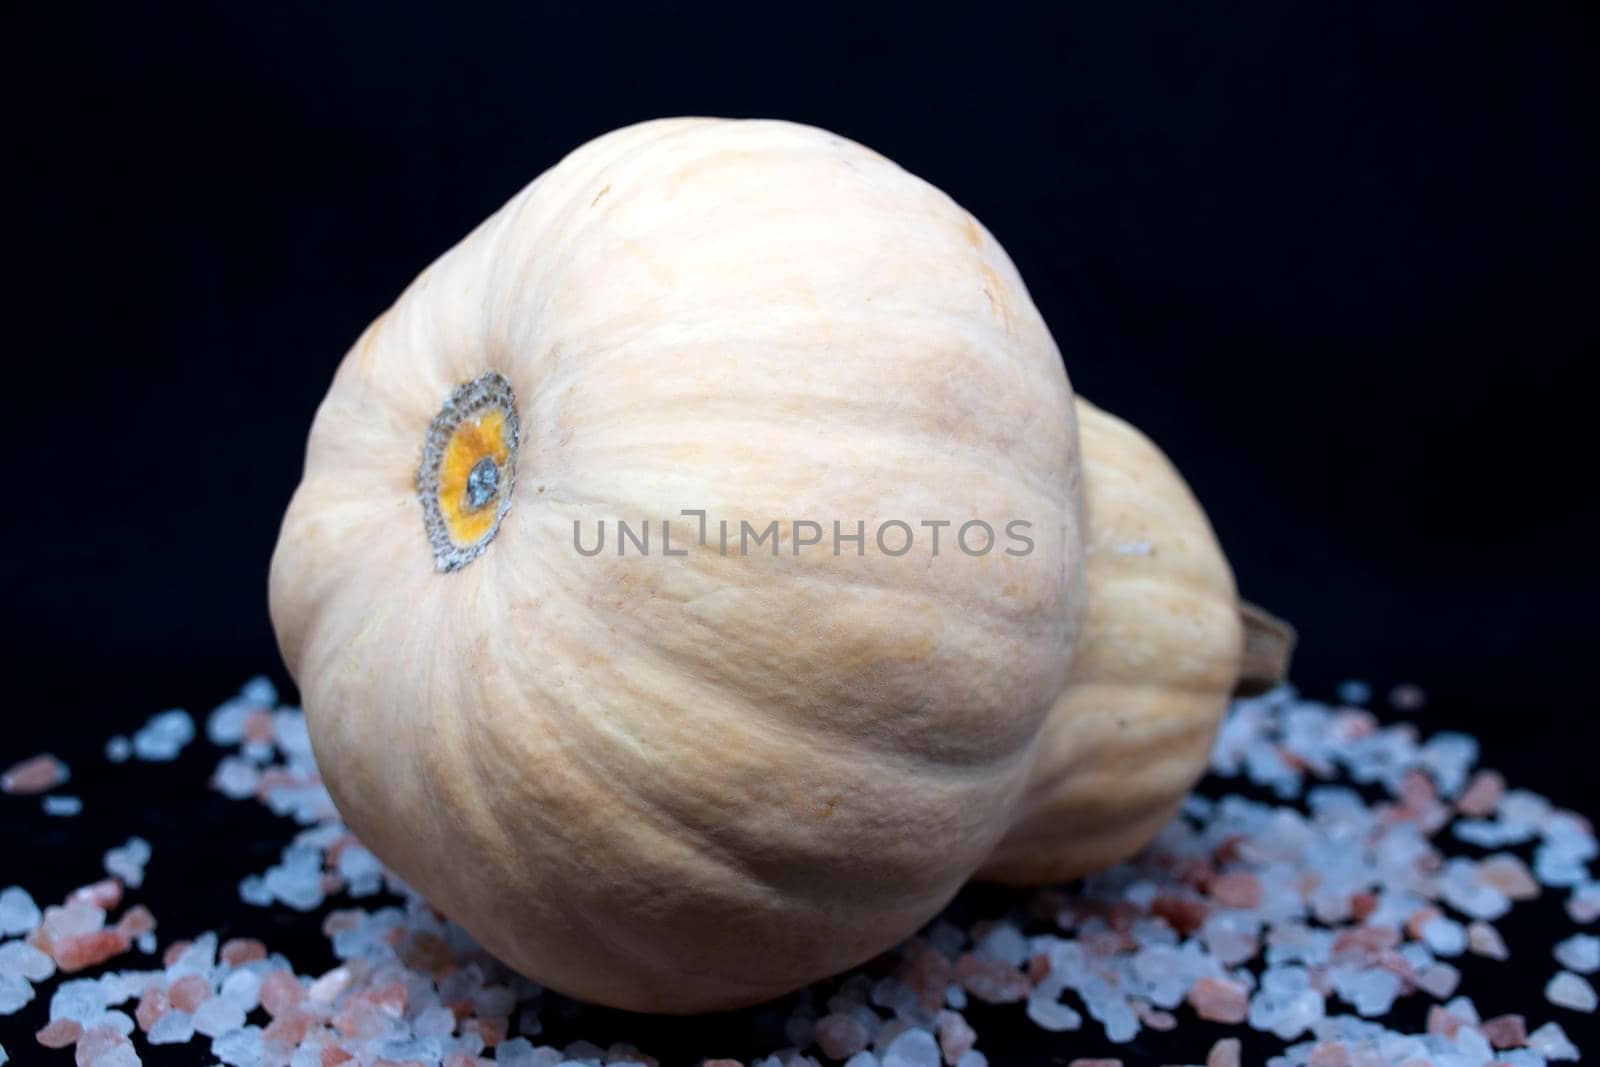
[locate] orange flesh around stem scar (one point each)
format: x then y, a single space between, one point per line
477 437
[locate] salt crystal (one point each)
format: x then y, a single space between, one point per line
1550 1041
1445 936
18 913
1579 953
1225 1053
1355 693
25 961
36 775
914 1048
253 890
164 736
173 1028
1373 992
1004 942
235 778
80 999
239 1048
118 749
840 1036
242 989
62 806
15 992
1584 903
860 1059
1050 1014
1567 990
1438 980
1219 1000
1484 940
218 1016
128 861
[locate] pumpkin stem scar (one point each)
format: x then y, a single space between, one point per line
468 470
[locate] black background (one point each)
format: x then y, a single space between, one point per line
1338 260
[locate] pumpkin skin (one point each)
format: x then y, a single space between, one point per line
689 783
1161 652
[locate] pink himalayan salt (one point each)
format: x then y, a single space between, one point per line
258 726
492 1029
360 1018
241 950
928 973
188 993
74 953
105 894
33 776
1510 875
1484 940
1220 1000
1444 1022
1225 1053
135 921
461 1059
1156 1019
1482 795
840 1036
174 952
1506 1031
60 1034
991 981
1237 889
956 1036
1182 914
280 991
96 1043
153 1004
333 1056
289 1028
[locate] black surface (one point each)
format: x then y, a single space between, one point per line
1338 260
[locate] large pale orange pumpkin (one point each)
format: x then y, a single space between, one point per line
684 773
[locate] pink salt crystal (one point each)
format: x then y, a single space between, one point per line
188 993
427 952
60 1033
105 894
1407 697
1182 914
1038 967
73 954
96 1043
1225 1053
840 1036
1505 1031
1156 1019
334 1056
174 952
461 1059
241 950
359 1018
33 776
1417 791
258 726
991 981
153 1004
1237 889
1329 1054
289 1028
389 999
341 920
1419 919
1220 1000
956 1036
1441 1021
492 1029
135 921
1484 940
1508 874
280 991
1482 795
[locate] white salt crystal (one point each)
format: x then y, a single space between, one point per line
253 890
973 1058
1445 936
173 1028
18 913
1373 991
435 1022
242 989
914 1048
118 1056
1050 1014
118 749
62 806
1004 943
127 861
1438 980
4 1058
584 1051
164 736
146 942
1579 953
1567 990
15 991
217 1017
235 778
24 961
863 1058
1355 693
517 1052
1584 903
239 1048
80 999
1551 1042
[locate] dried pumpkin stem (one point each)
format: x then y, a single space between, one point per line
1268 645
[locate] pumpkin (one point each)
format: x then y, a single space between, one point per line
687 569
1165 644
